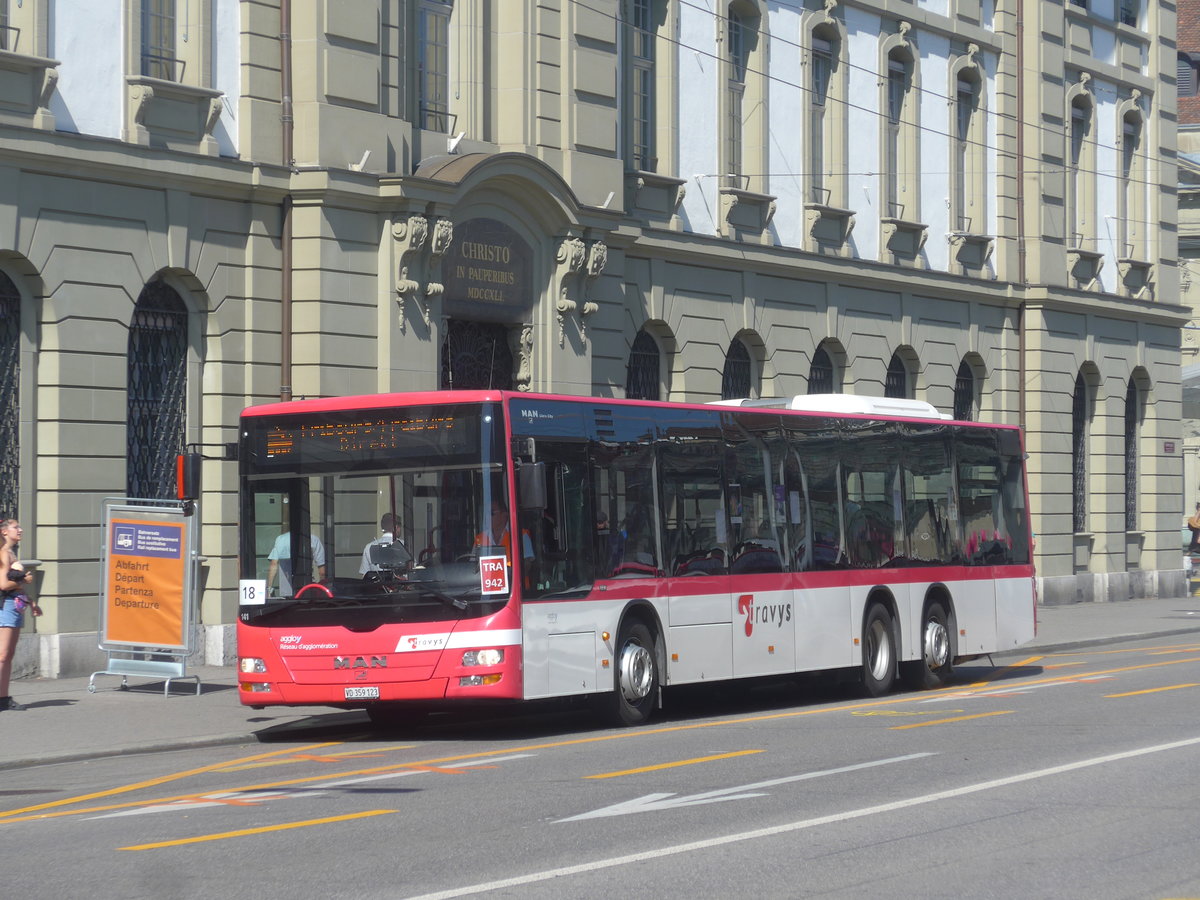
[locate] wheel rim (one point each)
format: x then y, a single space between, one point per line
879 650
937 644
637 672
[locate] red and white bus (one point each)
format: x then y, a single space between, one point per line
656 544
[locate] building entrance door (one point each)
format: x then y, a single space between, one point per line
476 356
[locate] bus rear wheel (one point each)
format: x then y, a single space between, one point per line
636 677
936 664
878 651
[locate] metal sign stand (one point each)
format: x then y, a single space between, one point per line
147 590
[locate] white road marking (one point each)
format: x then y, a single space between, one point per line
658 853
658 802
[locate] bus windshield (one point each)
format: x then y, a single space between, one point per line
375 515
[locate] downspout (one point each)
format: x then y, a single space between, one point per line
1021 261
285 234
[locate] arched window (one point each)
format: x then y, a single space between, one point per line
964 393
737 379
1079 187
1079 434
820 373
1133 418
824 56
897 378
1131 196
642 379
157 391
968 160
900 167
739 37
10 397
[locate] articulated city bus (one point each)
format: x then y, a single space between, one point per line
411 550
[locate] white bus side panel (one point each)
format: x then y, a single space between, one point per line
764 633
1015 614
699 653
975 613
823 622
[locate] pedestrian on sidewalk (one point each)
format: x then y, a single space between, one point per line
13 578
1194 525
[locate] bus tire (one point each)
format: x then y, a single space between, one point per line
636 677
936 665
878 651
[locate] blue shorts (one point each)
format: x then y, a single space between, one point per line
10 616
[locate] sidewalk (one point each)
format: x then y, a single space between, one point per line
65 722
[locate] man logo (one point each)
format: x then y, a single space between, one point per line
359 662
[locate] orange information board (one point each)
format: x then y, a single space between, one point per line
146 582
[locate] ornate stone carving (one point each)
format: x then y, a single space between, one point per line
520 343
443 234
410 235
597 260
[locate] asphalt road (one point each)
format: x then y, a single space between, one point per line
1066 775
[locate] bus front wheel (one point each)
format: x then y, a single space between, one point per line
636 675
936 665
878 651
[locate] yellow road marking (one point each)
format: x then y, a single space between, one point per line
1067 665
904 712
1173 687
163 779
263 830
673 765
999 712
1000 673
298 757
550 745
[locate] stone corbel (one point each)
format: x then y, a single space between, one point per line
1137 275
827 227
597 260
42 117
443 234
410 235
572 253
973 251
1085 266
143 96
904 238
520 343
208 142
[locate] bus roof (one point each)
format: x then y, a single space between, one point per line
826 404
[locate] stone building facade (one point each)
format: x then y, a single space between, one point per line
219 203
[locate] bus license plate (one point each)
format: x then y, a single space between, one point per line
362 693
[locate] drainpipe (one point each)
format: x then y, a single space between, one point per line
1021 261
285 234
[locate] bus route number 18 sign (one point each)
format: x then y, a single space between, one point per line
146 583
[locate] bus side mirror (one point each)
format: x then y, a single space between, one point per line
187 476
531 486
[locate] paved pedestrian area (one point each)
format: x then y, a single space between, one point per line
64 721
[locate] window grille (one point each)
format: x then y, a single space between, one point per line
1185 76
736 379
476 356
10 381
643 377
1132 417
1079 423
897 378
433 67
157 393
158 39
820 373
964 393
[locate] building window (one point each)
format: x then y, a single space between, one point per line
899 163
896 384
1078 199
10 397
735 92
158 40
640 36
643 379
820 373
968 157
433 67
818 103
1079 430
157 391
6 43
1130 10
964 393
738 377
1131 205
1133 418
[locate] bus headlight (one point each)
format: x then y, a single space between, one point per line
483 658
252 665
479 680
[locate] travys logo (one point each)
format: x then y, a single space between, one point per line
763 613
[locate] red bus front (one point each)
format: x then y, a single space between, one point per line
377 559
